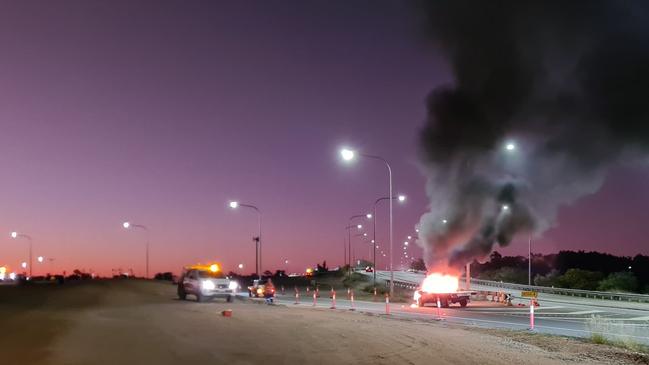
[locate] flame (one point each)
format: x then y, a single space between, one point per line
440 283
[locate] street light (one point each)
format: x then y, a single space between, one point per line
401 198
129 225
349 237
235 205
510 147
40 259
16 235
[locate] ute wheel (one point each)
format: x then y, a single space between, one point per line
444 303
181 293
463 303
420 303
229 299
199 297
250 293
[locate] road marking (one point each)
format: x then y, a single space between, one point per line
510 309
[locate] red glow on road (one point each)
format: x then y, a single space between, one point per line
440 283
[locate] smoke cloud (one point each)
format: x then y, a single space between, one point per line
546 97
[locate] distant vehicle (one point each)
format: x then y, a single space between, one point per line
294 275
369 269
262 288
206 282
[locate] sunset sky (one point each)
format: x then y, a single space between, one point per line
160 112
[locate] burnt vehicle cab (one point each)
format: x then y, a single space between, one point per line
206 282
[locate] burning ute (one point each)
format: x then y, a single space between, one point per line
442 289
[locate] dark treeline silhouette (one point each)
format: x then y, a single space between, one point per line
578 270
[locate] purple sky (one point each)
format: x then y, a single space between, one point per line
160 112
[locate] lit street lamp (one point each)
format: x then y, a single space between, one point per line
349 236
258 268
129 225
16 235
401 198
510 147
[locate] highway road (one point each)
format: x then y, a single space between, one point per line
566 316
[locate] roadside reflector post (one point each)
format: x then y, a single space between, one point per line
351 297
387 303
314 299
283 290
349 290
439 306
333 298
297 296
531 315
307 289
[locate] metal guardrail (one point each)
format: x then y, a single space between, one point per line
629 297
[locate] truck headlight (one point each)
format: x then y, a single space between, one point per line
234 285
207 285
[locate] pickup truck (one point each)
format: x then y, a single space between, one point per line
445 299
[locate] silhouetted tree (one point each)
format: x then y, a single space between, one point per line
619 281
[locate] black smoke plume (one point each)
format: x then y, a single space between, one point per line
566 82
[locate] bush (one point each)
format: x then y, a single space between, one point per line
506 274
619 281
550 279
354 278
580 279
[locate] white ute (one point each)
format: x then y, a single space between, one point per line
206 282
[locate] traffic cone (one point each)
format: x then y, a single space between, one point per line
387 304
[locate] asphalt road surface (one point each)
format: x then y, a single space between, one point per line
557 314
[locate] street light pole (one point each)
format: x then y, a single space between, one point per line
258 257
401 198
128 225
349 155
349 242
29 238
529 261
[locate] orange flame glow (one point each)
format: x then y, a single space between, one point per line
440 283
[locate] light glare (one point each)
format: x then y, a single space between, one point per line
347 154
234 204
